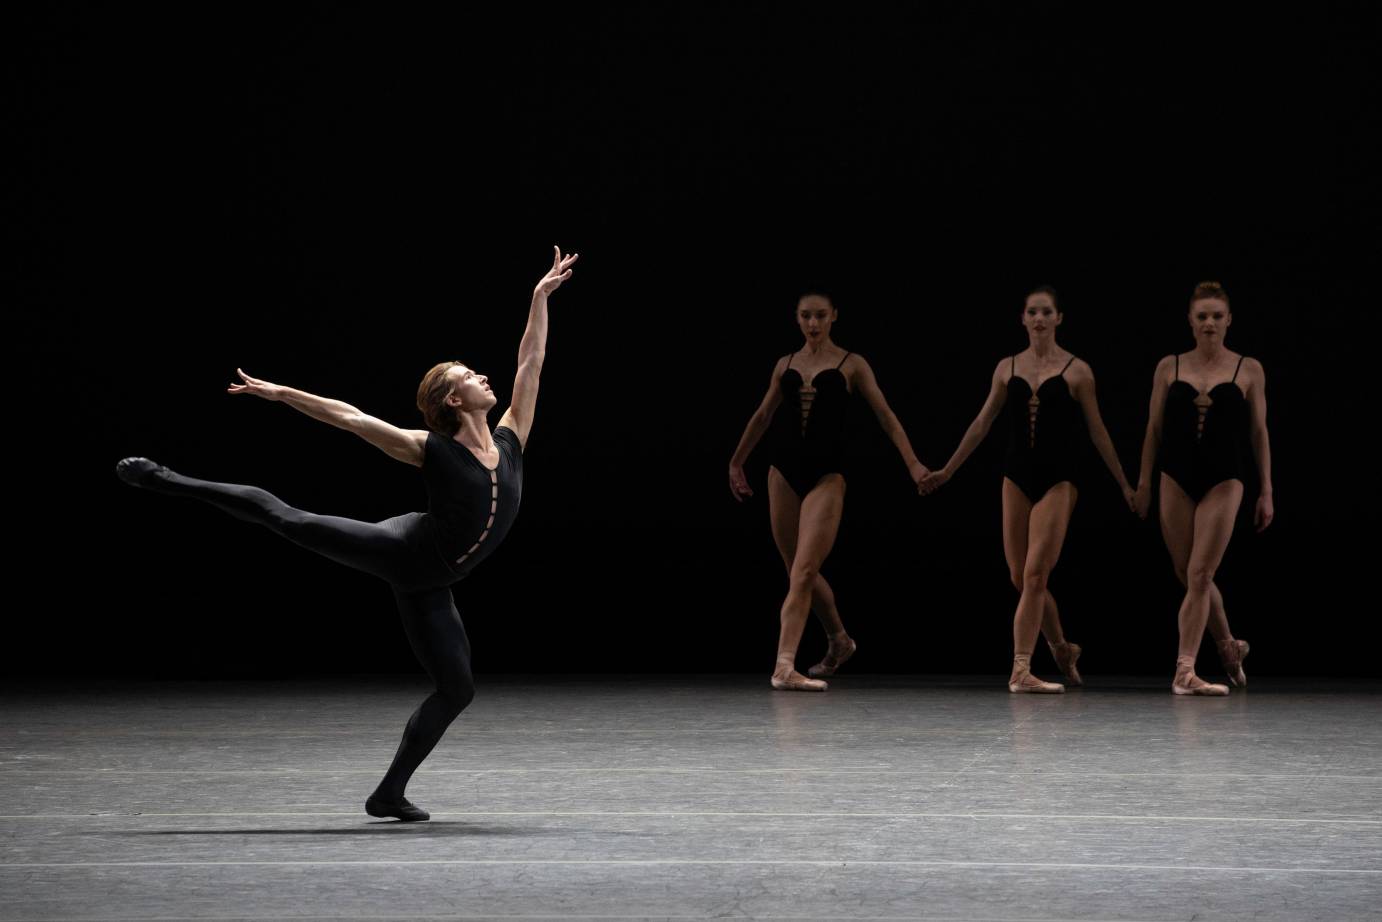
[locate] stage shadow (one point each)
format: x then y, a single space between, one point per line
432 828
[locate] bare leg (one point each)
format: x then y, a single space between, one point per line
1198 534
784 511
817 525
1231 649
1047 523
1050 620
1180 559
824 608
1065 654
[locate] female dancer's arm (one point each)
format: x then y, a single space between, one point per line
1261 449
1151 442
406 445
533 348
758 422
1083 385
867 385
993 405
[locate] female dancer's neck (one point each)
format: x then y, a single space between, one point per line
1210 353
825 344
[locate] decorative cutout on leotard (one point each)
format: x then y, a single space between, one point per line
1202 400
806 394
493 509
1034 402
1202 404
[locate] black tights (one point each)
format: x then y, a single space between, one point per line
397 550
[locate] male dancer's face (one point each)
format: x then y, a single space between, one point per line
1040 315
1210 319
470 391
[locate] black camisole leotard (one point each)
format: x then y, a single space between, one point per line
808 443
1045 434
1203 434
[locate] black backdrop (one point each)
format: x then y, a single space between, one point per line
337 196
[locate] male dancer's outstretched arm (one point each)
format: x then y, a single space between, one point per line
533 348
406 445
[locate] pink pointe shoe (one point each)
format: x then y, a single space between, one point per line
786 678
1187 683
1231 654
1023 682
1065 654
835 657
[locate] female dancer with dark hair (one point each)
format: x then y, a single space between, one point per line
474 478
804 415
1050 400
1207 405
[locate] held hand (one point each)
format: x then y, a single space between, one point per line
919 473
738 483
1142 500
933 481
1264 514
256 387
1130 497
560 272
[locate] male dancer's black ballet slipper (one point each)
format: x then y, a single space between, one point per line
404 809
137 471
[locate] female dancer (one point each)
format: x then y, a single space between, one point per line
1206 405
804 415
1046 391
474 479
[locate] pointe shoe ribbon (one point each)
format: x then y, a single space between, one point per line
1023 682
1187 683
786 678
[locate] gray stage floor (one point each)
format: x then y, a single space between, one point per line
706 797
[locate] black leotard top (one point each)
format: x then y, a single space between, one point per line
1202 441
805 451
1045 436
469 506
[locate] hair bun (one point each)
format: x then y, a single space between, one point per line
1209 290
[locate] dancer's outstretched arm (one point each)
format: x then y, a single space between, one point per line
1082 383
758 423
1151 442
533 348
406 445
993 405
1261 448
867 385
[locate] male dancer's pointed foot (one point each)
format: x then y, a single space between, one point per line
1232 652
1187 683
786 678
835 657
1023 682
1065 654
138 472
402 809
